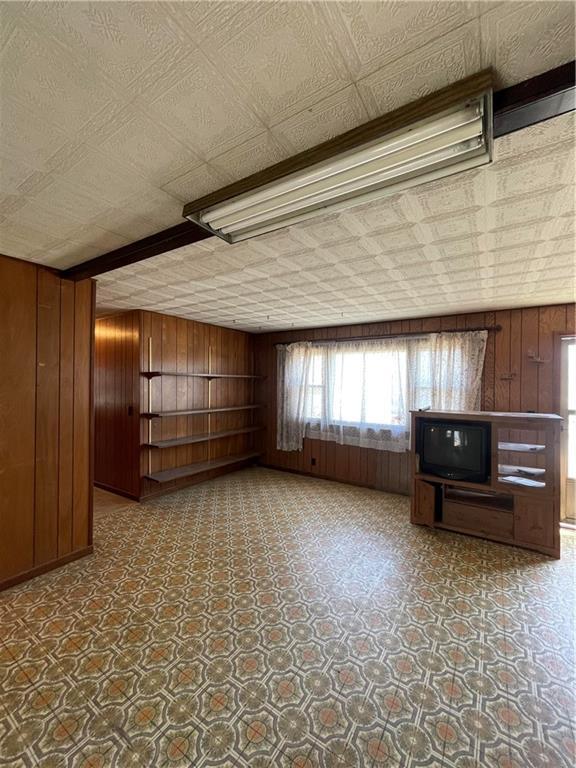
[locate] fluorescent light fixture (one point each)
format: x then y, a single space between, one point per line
455 140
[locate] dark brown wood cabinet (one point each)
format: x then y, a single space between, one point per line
518 503
532 522
423 503
174 402
45 419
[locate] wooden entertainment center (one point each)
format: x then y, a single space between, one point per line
519 503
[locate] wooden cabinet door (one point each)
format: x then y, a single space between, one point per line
423 503
534 521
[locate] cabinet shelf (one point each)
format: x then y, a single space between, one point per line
196 411
203 438
503 502
155 374
456 483
523 482
176 473
512 469
521 447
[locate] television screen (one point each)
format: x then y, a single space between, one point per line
455 450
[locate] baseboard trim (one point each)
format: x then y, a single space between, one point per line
334 479
45 567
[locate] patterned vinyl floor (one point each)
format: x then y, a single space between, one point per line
265 619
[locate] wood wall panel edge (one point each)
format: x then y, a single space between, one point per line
40 343
47 454
18 319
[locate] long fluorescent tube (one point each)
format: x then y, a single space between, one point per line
354 160
455 140
377 175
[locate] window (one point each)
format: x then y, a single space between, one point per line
361 393
364 389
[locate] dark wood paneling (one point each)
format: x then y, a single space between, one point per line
512 381
82 475
47 418
187 346
18 282
66 416
117 402
181 346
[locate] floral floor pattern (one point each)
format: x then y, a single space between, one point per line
265 619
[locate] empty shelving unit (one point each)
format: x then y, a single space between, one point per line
174 402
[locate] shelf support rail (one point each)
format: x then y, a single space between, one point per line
210 405
150 404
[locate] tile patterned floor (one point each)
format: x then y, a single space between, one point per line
265 619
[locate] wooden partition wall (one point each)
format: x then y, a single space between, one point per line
45 420
520 374
132 448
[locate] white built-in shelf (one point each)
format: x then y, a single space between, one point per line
512 469
176 473
203 438
521 447
196 411
526 482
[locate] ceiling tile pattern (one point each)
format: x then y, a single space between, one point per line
495 237
114 114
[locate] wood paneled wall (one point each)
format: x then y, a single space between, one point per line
45 419
512 381
178 345
117 403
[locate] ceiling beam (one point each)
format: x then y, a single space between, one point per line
519 106
540 98
160 242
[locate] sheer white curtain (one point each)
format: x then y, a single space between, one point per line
361 392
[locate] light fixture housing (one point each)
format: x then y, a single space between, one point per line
452 140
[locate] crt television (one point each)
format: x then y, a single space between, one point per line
454 450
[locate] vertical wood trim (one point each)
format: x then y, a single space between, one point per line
66 432
502 363
82 492
91 446
529 369
47 418
18 286
489 365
